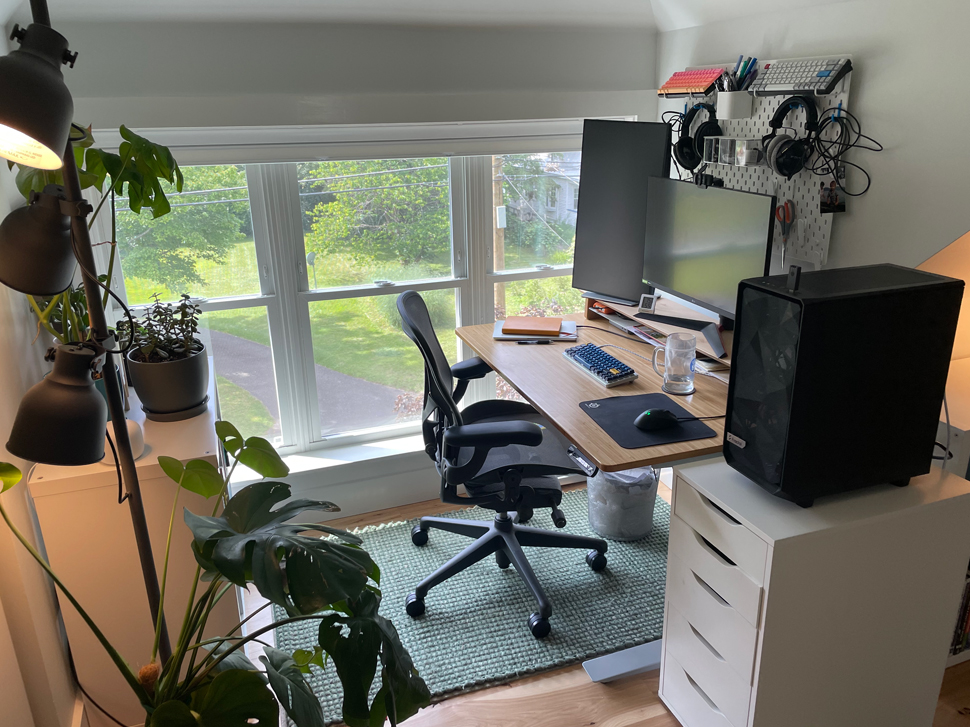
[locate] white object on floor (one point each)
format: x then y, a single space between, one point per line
135 435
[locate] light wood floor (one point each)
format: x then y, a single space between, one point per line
567 698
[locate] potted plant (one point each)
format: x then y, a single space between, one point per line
137 171
167 363
313 572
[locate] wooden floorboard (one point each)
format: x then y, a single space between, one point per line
567 698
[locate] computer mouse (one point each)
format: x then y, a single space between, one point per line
654 420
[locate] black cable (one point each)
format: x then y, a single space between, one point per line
845 135
946 456
77 680
122 495
84 134
614 333
94 277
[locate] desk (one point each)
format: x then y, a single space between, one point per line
554 386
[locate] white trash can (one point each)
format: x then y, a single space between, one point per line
621 503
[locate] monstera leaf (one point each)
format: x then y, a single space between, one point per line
252 542
292 691
356 643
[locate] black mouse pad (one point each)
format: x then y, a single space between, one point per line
615 416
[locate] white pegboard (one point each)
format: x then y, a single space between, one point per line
808 242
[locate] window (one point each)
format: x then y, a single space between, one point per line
297 264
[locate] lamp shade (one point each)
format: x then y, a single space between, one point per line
36 107
35 246
62 419
954 262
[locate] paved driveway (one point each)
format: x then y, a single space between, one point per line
346 402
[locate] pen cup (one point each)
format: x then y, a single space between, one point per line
733 105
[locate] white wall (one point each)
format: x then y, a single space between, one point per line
918 201
28 610
229 74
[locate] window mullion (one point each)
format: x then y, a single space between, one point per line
478 223
273 191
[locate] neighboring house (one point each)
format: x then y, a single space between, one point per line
559 204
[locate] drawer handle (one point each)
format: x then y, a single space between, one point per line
706 643
714 594
704 542
697 688
720 510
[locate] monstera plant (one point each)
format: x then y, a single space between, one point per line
311 571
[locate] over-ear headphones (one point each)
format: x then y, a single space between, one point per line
786 155
689 151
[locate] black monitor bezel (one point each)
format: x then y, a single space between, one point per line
695 301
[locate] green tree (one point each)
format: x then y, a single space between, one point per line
200 227
379 211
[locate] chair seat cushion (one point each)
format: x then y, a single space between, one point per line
534 492
549 458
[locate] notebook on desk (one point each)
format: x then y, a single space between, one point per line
532 325
567 332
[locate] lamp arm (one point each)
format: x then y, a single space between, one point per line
81 240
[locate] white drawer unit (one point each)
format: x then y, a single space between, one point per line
838 615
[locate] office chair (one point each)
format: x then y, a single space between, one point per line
506 456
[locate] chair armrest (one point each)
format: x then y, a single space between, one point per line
493 434
472 368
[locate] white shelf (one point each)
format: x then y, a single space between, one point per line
955 659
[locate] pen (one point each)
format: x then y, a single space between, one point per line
749 80
538 343
737 66
752 66
744 67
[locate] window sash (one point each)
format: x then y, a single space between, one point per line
271 156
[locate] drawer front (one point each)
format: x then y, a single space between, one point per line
727 534
724 628
707 667
687 699
723 575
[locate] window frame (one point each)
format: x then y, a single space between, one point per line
271 155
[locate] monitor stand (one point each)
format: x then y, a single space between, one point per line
711 330
609 298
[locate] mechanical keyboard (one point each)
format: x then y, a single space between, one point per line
699 82
814 76
599 365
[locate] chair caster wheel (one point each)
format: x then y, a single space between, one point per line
418 536
524 515
596 560
539 626
502 559
414 605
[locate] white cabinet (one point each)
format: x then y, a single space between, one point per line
836 615
90 543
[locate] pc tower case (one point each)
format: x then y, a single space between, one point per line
839 383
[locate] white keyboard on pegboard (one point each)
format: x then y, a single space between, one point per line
815 76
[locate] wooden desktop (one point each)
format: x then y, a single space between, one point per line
555 387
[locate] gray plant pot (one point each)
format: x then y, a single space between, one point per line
173 390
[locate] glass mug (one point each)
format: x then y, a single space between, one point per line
679 358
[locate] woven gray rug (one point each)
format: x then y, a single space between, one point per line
475 633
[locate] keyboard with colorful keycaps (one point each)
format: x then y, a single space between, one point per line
698 82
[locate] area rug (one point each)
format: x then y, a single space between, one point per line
475 633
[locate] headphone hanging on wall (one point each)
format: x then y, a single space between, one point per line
689 151
785 154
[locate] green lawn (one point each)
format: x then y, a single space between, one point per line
360 337
243 409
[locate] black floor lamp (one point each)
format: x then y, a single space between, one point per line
58 422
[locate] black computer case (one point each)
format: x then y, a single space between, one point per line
839 384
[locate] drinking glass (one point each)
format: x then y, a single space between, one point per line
678 364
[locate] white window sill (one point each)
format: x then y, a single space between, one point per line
386 454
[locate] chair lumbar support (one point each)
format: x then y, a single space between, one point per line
504 538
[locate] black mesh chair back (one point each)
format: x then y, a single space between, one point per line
439 383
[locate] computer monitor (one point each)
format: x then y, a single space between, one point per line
701 242
618 159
